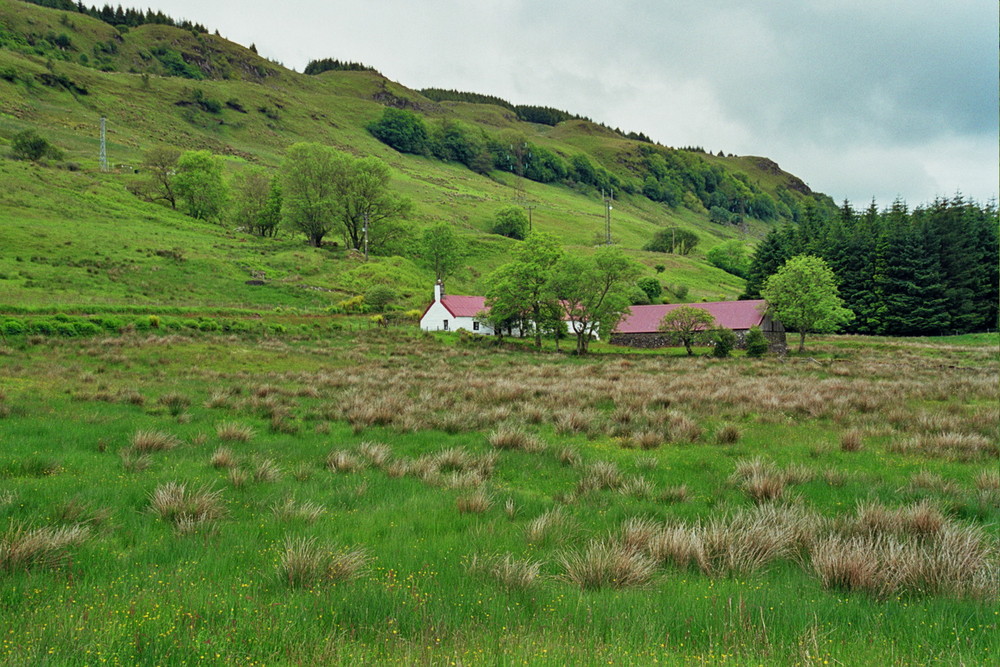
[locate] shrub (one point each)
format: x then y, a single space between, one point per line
756 342
380 296
725 341
511 222
651 286
29 145
403 130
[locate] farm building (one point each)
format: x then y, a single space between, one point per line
640 328
451 312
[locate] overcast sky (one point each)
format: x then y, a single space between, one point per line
859 98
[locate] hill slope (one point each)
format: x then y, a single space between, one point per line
115 248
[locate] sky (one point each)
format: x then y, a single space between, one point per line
861 99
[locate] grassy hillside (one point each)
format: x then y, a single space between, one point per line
62 92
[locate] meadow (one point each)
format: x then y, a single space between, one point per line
386 495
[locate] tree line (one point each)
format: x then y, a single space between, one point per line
317 191
927 271
117 16
671 177
331 65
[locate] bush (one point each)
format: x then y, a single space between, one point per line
12 327
403 130
725 341
380 296
511 222
87 328
29 145
673 240
638 296
651 286
756 342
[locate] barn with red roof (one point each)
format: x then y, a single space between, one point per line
641 327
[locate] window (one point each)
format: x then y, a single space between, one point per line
475 325
446 325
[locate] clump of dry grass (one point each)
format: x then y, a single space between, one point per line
289 510
24 548
223 457
144 441
851 441
266 470
954 446
675 494
304 564
573 421
238 477
476 502
234 432
218 399
765 487
988 480
681 546
509 572
549 525
647 439
607 565
134 461
873 519
568 456
728 435
956 561
343 461
377 453
175 402
637 487
600 475
177 504
513 437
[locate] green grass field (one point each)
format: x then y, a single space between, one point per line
381 496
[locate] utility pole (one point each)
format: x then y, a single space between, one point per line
608 201
366 235
530 207
103 158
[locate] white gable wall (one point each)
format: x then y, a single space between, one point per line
436 316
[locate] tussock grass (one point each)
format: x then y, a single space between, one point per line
954 446
25 548
513 437
511 573
175 402
133 461
175 503
600 475
223 457
476 502
569 456
234 432
648 439
266 470
303 563
551 525
145 441
344 461
728 435
851 441
377 453
606 565
238 477
290 510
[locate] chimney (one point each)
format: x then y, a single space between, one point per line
438 291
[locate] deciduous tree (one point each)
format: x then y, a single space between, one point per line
803 296
310 178
521 289
687 324
441 250
200 186
594 291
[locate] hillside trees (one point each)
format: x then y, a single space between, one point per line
309 176
673 240
256 202
731 256
803 296
158 167
199 183
594 291
324 189
403 130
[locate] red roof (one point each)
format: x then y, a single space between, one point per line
734 315
464 306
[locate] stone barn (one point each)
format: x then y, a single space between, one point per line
641 327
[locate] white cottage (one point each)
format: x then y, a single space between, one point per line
451 312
